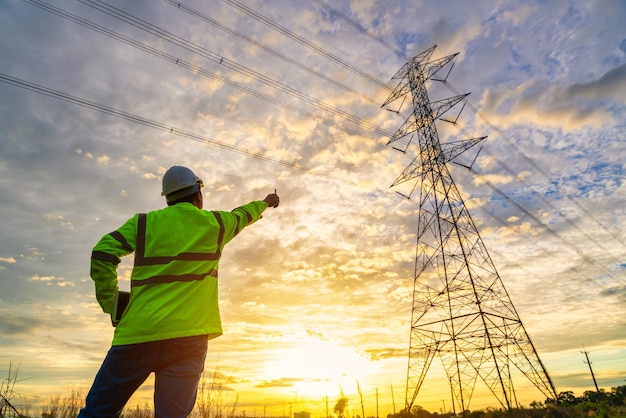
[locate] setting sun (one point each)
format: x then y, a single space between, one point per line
315 368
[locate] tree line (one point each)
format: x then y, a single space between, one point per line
599 404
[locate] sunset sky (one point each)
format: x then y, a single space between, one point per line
99 98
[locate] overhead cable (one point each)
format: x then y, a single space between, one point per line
5 78
537 167
223 61
364 30
195 68
580 253
381 41
281 29
266 48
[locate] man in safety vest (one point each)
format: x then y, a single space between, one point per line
173 308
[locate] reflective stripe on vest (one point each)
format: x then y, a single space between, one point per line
111 258
106 257
142 260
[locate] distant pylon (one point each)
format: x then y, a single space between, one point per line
461 312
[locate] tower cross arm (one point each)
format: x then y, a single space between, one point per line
435 66
451 150
410 125
417 121
412 171
442 106
403 73
402 89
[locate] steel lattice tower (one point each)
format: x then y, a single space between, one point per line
461 311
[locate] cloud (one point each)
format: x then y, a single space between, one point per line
32 253
386 353
51 280
610 86
12 325
103 159
566 107
284 382
615 291
58 219
453 39
518 15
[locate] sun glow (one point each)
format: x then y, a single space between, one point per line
315 368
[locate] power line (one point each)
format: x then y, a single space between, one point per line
155 30
217 58
189 135
281 29
199 70
206 140
266 48
547 203
364 30
580 253
165 128
505 168
381 41
537 167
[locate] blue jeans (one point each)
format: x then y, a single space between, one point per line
177 365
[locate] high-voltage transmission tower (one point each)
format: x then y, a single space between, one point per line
461 313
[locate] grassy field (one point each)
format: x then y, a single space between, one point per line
209 406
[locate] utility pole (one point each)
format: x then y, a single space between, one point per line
452 396
586 353
358 386
376 403
326 399
461 313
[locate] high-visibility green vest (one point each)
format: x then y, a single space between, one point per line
174 278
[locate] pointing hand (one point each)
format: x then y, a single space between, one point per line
272 200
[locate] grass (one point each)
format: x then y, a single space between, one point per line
210 405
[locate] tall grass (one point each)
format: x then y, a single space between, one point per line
210 401
209 404
63 406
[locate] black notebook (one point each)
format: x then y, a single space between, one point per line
119 306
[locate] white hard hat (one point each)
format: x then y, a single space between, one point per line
179 182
